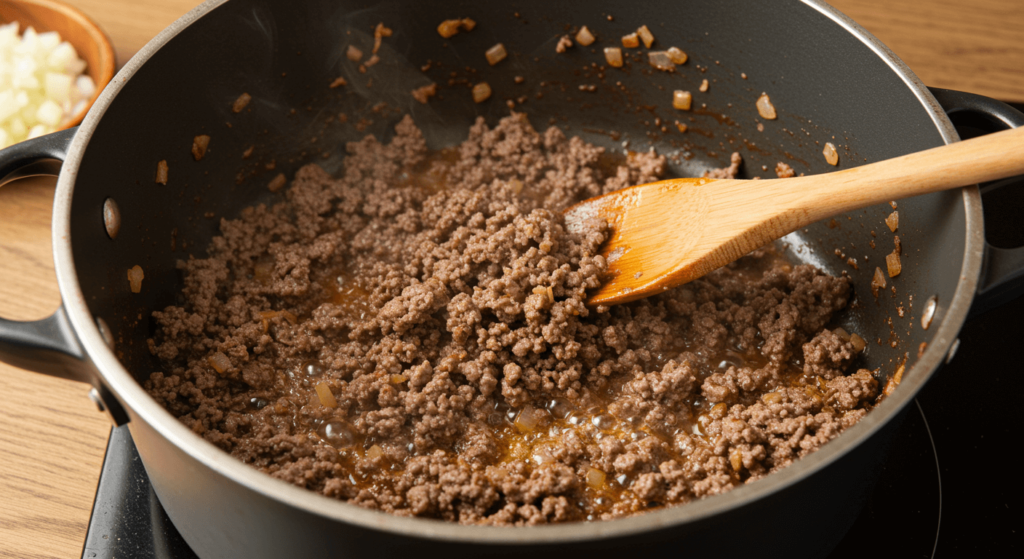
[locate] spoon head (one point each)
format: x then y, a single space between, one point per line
653 238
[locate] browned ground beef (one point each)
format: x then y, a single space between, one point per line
439 302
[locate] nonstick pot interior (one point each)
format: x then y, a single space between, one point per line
826 84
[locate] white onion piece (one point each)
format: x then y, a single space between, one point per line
41 88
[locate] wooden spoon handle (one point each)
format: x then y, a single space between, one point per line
990 157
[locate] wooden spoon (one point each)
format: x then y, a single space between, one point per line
670 232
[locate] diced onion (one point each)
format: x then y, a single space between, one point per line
374 452
682 99
893 221
40 86
564 43
858 343
481 92
277 183
161 172
135 277
468 24
219 362
677 55
830 153
496 54
765 107
703 86
326 396
199 145
353 53
241 102
585 37
877 281
892 262
595 478
614 56
645 35
630 41
660 60
448 28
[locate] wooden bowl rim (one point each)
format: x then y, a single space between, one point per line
107 60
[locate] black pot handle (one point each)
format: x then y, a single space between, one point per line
1002 272
49 345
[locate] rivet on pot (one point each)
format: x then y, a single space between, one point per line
105 333
94 395
930 306
952 350
111 217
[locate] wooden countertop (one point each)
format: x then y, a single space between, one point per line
52 438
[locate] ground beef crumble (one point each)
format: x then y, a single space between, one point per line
438 301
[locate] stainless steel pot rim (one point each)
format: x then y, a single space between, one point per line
142 407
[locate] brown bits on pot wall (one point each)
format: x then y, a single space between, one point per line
199 145
877 281
564 43
423 94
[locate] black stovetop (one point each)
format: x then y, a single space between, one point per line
949 487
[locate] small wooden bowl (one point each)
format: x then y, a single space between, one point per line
89 40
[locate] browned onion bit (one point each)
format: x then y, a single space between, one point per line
353 53
241 102
830 153
614 56
630 41
496 54
660 60
448 28
135 277
379 32
423 94
481 92
682 100
892 262
645 35
703 86
325 395
161 172
277 183
199 145
338 82
877 281
585 37
893 221
765 107
564 43
219 362
677 55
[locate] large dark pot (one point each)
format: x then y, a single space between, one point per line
829 79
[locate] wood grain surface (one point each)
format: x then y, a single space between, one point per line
52 438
